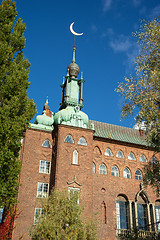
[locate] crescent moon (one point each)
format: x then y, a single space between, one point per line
72 31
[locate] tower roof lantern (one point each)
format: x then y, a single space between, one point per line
73 67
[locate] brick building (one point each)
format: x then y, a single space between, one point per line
102 161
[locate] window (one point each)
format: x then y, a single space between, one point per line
157 214
93 167
82 141
46 144
122 213
42 190
115 171
142 158
154 160
138 175
1 214
73 191
103 169
142 216
131 156
69 139
126 173
44 167
120 154
104 217
108 152
37 214
75 157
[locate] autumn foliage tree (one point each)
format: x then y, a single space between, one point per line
16 109
62 219
142 93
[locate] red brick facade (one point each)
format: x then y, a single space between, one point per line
97 191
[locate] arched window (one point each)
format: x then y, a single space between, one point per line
122 213
154 160
93 167
102 169
97 151
75 157
131 156
157 214
82 141
104 219
142 158
115 171
69 139
138 175
142 212
46 144
126 173
108 152
120 154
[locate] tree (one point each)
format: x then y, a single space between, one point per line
16 109
142 92
62 219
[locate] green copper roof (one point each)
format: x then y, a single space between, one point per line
117 133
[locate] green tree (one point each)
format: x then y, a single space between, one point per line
142 93
62 219
16 110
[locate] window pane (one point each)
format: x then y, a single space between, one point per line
37 214
75 157
102 169
126 173
143 158
131 156
157 213
138 175
46 143
69 139
82 141
1 214
115 171
122 214
42 190
44 166
142 216
120 154
93 168
108 152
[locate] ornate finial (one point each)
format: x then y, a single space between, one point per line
74 55
110 136
63 80
46 101
81 75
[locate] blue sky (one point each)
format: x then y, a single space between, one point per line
105 53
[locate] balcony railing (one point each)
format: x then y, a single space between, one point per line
126 232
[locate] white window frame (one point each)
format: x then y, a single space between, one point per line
108 153
131 156
69 139
82 141
42 194
49 143
36 216
75 157
45 167
103 171
126 174
115 172
121 154
74 189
